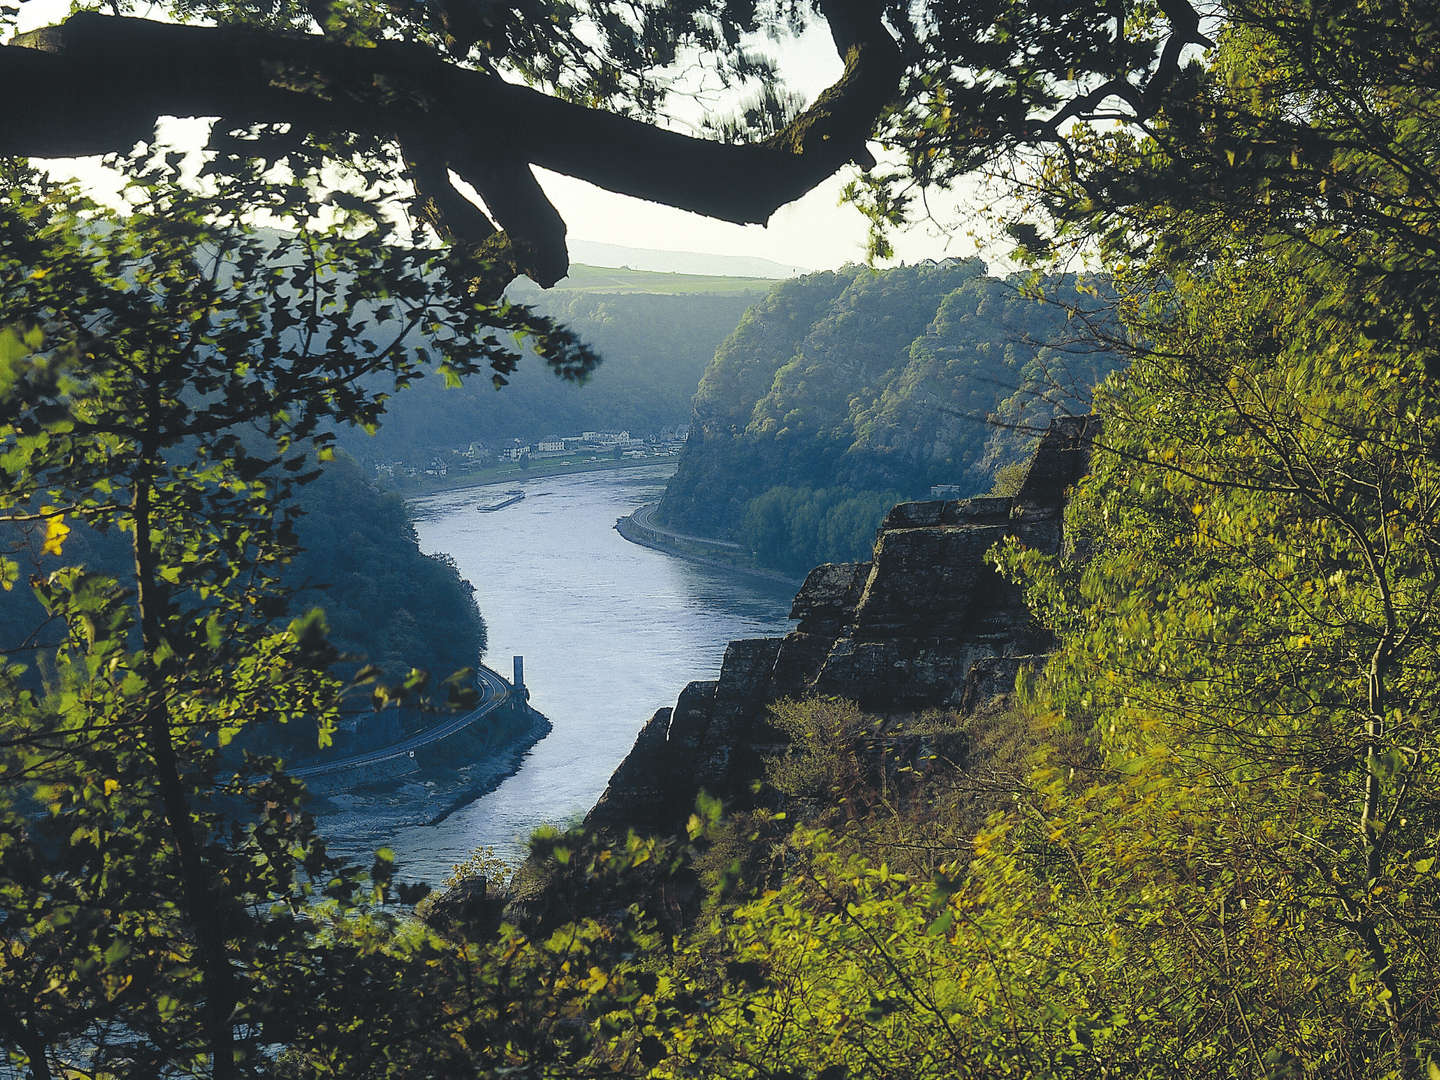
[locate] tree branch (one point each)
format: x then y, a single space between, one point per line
95 84
440 205
1144 100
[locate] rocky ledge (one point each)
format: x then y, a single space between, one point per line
926 623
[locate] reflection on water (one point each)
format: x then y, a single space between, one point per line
609 631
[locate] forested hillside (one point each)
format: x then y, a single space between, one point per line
843 392
385 600
653 347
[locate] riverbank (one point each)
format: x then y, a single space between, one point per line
424 790
500 767
499 474
638 528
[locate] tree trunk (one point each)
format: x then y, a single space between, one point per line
202 905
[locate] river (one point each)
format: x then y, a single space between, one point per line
610 632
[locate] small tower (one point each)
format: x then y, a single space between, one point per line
519 680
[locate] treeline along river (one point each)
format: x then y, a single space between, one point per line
610 632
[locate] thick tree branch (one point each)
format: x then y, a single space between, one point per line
96 84
440 206
533 241
533 227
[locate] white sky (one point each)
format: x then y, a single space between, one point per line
814 232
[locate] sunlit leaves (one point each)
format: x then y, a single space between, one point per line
1226 864
1247 641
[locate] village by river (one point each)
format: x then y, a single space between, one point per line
610 632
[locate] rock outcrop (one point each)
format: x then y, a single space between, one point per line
926 623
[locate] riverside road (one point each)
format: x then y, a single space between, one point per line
645 518
494 692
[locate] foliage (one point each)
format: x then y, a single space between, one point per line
1223 863
821 956
386 604
1008 480
482 862
590 53
1252 635
559 1002
1310 126
1226 863
918 786
796 528
168 378
1283 494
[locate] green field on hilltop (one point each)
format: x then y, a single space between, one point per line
621 280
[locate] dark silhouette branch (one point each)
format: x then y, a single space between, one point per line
1143 101
96 84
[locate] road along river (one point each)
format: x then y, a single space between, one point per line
610 632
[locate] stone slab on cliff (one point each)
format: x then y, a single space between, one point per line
829 594
926 578
741 693
638 795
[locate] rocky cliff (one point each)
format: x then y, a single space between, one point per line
926 623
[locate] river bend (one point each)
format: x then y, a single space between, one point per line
609 631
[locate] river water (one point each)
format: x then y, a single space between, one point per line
610 632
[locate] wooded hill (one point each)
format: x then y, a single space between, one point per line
843 392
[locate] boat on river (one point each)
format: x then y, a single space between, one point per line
513 496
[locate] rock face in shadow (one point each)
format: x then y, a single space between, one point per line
925 623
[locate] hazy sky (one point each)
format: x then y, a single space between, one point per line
814 232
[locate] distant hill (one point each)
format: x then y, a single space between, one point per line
680 262
842 392
654 333
654 330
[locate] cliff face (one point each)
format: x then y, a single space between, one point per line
925 623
